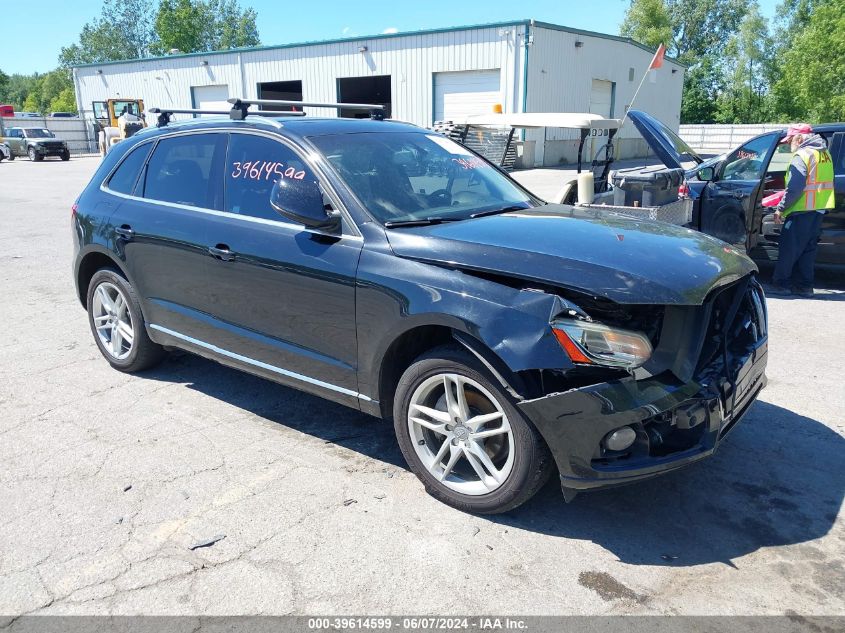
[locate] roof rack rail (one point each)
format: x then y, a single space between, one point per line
240 107
165 114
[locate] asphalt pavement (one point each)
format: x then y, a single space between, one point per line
197 489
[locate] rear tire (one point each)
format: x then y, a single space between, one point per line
448 444
116 321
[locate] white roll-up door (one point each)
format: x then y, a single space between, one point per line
458 94
210 97
601 98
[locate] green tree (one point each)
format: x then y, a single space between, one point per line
812 81
17 89
122 31
702 85
65 101
648 22
32 103
698 31
197 25
4 86
748 67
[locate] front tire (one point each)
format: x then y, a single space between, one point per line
34 156
463 437
66 156
117 323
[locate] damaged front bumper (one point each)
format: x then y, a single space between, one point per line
676 423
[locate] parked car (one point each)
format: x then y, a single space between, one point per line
728 190
6 152
392 270
36 143
62 115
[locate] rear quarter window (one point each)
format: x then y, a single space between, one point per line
126 176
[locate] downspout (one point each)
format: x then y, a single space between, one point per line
525 37
525 65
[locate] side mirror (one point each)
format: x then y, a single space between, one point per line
705 174
302 202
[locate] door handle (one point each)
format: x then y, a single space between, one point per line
222 252
125 232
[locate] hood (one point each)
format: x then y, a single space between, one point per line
670 148
622 259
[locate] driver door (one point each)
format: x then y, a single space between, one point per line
732 200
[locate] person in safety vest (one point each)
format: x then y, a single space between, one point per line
809 193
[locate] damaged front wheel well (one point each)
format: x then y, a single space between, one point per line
413 343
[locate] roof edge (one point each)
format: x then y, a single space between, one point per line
607 36
343 40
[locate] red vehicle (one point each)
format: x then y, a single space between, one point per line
7 110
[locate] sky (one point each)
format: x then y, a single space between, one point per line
58 23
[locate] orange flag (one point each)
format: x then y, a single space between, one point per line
657 60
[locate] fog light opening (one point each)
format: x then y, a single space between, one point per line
620 439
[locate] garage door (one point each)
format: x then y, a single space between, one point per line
601 98
210 97
601 102
463 93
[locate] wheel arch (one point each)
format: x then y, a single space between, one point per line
89 264
422 337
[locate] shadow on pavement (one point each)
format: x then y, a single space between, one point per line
778 478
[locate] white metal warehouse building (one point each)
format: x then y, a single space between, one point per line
422 76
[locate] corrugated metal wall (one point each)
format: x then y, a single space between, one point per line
560 79
410 60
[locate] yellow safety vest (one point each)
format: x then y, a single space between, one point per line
818 190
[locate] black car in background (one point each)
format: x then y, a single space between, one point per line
390 269
728 190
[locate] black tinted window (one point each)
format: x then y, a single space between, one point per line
124 179
180 170
254 164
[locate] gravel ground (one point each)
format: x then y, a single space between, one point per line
112 487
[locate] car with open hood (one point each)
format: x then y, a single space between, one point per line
392 270
728 190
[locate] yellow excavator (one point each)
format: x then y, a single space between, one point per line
117 119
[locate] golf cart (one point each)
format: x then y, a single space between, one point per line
641 193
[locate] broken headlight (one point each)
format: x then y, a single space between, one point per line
592 343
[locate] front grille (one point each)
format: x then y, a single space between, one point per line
737 322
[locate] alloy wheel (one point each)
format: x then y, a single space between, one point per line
461 434
112 320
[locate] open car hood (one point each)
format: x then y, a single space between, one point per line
624 259
670 148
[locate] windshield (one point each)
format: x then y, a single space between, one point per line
406 176
38 133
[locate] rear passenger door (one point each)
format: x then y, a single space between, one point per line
160 225
832 240
282 296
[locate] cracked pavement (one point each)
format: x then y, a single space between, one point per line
107 481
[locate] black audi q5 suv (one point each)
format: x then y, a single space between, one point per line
393 270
